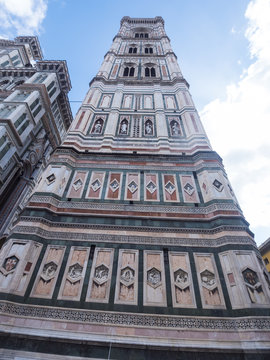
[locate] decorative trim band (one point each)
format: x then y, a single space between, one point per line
128 319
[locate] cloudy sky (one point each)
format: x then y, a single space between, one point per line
223 48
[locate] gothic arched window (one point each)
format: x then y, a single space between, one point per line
130 50
129 71
137 35
135 50
146 50
153 72
147 71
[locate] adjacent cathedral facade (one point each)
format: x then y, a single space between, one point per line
132 244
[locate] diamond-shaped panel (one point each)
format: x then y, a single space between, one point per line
189 189
77 184
218 185
170 187
114 185
151 187
96 185
50 179
132 186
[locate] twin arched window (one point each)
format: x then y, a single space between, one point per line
150 72
129 71
132 50
148 50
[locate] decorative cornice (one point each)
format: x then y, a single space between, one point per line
54 233
142 228
129 319
230 207
139 82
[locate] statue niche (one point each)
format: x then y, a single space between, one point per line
123 129
98 126
148 128
175 128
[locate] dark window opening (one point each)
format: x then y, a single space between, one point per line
153 72
131 71
146 36
147 72
126 71
130 51
136 35
146 50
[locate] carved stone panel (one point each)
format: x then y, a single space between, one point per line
72 283
151 190
77 185
17 262
114 186
189 189
127 277
48 272
54 180
170 189
132 188
210 289
250 277
154 279
96 185
100 277
181 280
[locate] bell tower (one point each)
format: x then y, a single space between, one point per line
133 243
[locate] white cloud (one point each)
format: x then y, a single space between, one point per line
239 126
21 17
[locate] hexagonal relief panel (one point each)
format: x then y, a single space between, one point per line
208 278
10 263
101 274
75 272
181 278
250 277
49 271
127 276
154 277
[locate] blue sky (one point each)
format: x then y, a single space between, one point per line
223 49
